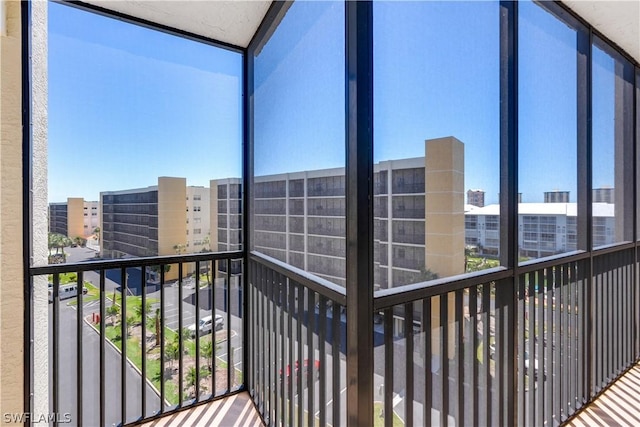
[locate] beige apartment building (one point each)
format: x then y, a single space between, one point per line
163 219
74 218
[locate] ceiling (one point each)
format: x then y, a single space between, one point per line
618 20
230 21
235 21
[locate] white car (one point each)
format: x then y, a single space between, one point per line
206 325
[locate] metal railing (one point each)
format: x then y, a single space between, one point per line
532 344
530 348
297 336
165 362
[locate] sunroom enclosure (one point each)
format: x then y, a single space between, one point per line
354 296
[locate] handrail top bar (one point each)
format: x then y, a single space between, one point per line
317 284
614 247
387 298
133 262
551 261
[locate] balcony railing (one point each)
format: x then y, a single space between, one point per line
532 344
165 363
297 334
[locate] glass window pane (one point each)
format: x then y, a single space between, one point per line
298 195
612 130
437 139
547 133
140 122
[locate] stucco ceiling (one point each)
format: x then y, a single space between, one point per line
235 21
618 20
230 21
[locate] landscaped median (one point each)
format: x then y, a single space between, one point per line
154 375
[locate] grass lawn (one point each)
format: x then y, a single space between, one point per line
378 421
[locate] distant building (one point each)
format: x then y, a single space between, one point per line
74 218
603 195
299 217
556 196
475 198
165 219
544 229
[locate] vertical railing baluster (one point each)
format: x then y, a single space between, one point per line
520 350
263 344
335 348
228 322
322 336
269 353
530 347
249 339
557 359
297 364
428 356
180 337
538 338
143 338
283 311
572 372
388 368
550 345
409 368
290 339
123 343
162 344
55 296
486 332
459 357
444 359
102 350
311 367
197 331
473 354
79 348
565 342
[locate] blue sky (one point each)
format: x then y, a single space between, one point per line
128 104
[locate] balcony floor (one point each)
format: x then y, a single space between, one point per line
232 411
619 405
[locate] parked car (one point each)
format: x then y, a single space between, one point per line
297 370
207 324
66 291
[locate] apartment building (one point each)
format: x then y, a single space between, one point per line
299 217
544 229
475 197
198 219
74 218
556 196
164 219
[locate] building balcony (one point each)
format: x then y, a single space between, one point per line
240 337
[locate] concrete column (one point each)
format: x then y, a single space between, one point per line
11 262
444 206
444 222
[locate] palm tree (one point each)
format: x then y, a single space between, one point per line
172 352
96 231
112 311
205 248
206 351
137 310
191 377
131 320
